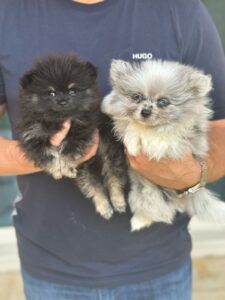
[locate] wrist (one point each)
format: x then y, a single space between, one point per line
202 179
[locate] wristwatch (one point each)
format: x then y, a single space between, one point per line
201 183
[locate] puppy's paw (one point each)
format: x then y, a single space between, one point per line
133 151
120 208
105 210
117 199
139 222
53 168
107 214
68 167
57 175
70 172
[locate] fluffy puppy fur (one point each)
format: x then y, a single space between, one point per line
161 109
58 88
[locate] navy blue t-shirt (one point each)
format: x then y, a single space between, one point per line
60 236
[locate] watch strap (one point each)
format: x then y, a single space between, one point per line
201 183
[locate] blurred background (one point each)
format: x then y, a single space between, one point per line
208 239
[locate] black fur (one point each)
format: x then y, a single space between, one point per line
63 87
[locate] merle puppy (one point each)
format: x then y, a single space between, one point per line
59 88
162 109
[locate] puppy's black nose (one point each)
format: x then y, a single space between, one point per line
61 102
146 112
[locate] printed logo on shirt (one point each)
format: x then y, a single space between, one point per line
142 55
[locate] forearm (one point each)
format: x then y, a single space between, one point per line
185 173
12 159
216 155
14 162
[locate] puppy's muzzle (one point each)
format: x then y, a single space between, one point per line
62 102
145 113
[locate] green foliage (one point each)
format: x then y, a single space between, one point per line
217 11
4 123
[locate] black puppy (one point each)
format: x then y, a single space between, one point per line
59 88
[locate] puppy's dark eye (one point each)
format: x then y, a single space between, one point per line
137 97
52 93
72 92
163 102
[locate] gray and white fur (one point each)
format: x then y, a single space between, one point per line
162 109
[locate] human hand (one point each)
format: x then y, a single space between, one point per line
175 174
13 160
57 139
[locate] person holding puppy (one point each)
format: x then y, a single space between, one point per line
67 251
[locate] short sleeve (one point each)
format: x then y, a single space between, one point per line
202 48
2 89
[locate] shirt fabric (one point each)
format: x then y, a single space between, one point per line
60 236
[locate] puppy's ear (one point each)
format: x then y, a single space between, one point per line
91 70
197 83
118 70
27 79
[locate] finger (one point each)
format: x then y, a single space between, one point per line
90 152
57 138
96 137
